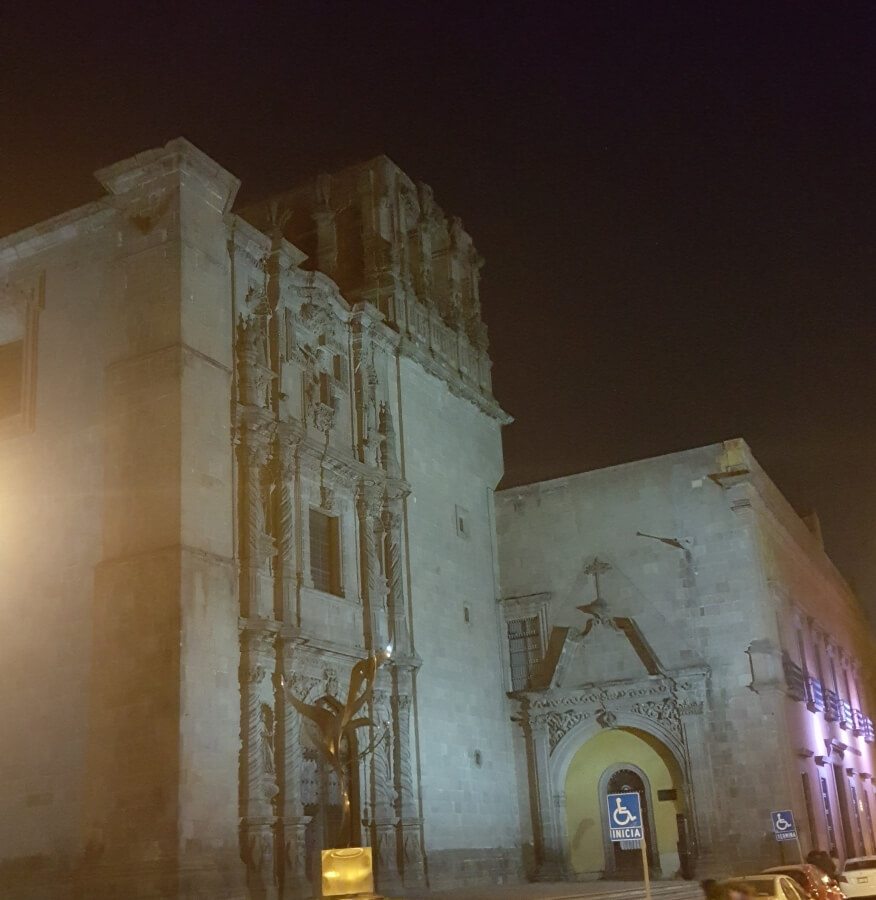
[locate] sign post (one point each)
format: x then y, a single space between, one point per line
625 824
784 828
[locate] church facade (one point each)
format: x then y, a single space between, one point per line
241 452
675 629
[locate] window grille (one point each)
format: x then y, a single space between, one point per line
831 705
814 693
795 678
524 644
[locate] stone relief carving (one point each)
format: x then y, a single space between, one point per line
266 741
382 756
389 450
318 316
412 849
310 784
606 718
300 684
330 674
664 712
322 416
259 856
560 723
385 849
406 798
253 358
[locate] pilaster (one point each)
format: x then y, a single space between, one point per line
259 785
411 855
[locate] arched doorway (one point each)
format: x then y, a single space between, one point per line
626 858
616 760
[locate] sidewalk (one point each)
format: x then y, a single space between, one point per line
578 890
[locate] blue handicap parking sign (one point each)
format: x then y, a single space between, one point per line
624 817
783 825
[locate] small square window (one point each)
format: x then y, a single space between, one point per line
325 552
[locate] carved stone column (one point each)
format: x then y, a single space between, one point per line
257 548
551 856
293 868
396 603
287 572
374 587
410 825
383 838
259 786
365 386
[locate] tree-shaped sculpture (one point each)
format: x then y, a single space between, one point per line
338 721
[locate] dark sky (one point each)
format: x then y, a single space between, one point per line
676 200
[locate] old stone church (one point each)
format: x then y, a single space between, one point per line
242 451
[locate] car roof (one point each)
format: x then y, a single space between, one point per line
766 877
756 876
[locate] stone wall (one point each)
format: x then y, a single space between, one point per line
51 532
452 458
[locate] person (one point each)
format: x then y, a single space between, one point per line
823 860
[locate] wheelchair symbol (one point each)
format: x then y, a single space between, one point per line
782 824
621 815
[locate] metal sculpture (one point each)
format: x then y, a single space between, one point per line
337 721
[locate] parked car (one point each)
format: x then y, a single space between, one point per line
767 886
812 879
860 875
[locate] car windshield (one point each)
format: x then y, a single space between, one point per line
855 865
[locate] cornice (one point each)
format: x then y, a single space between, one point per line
454 381
22 246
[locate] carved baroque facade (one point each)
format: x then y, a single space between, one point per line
255 428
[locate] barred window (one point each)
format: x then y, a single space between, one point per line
524 646
325 552
526 624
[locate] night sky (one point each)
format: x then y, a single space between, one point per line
676 200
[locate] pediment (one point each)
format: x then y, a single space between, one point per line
606 650
618 633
